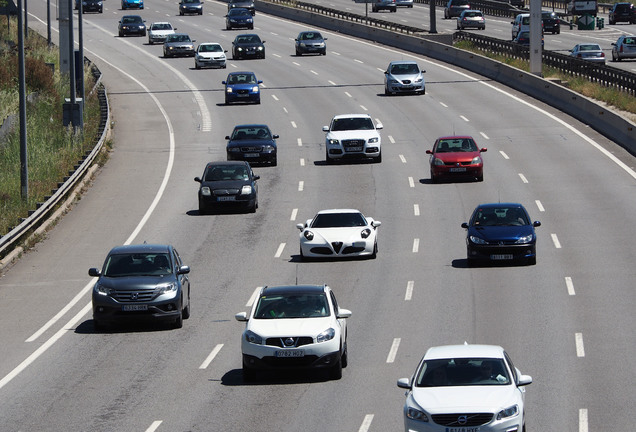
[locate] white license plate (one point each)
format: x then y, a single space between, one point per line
133 308
501 257
252 155
290 353
460 169
463 429
227 198
354 149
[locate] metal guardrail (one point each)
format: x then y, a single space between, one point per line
605 75
35 218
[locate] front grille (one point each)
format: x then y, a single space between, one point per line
461 163
133 296
462 420
251 149
280 342
352 249
353 143
225 192
336 246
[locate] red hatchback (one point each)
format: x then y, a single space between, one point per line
454 156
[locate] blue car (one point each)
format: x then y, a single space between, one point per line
242 87
239 18
132 4
500 232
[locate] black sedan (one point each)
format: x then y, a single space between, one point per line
228 185
248 46
501 232
146 281
252 142
132 25
239 18
245 4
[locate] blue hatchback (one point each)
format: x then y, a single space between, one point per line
132 4
500 232
242 87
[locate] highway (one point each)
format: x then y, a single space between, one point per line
567 322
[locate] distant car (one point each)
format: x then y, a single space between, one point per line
352 136
228 185
146 281
500 232
132 4
470 18
178 45
242 87
622 12
456 156
465 388
158 31
404 76
294 327
520 4
523 38
239 18
624 48
248 46
454 8
210 54
589 52
521 23
339 233
310 42
404 3
190 7
92 6
253 143
551 22
245 4
378 5
132 25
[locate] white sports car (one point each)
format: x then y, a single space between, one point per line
465 388
338 233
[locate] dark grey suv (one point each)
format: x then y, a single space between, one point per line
146 281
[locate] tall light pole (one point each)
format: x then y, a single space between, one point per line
24 172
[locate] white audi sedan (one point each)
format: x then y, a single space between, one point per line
294 327
339 233
465 388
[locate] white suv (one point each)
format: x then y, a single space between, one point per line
352 136
294 327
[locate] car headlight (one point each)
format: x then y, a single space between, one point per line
419 80
438 161
476 160
373 140
508 412
477 240
302 44
365 233
268 147
325 336
167 288
308 235
260 48
415 414
525 239
246 190
205 191
228 89
333 141
101 289
252 337
249 20
234 149
255 89
240 49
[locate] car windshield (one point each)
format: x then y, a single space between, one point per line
161 27
239 12
500 216
178 38
462 372
338 220
189 1
242 79
294 305
589 47
310 36
225 173
456 145
248 39
138 264
405 69
251 133
210 48
352 123
131 20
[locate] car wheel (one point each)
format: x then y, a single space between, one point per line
275 161
249 375
251 27
178 322
98 325
480 178
196 66
202 209
252 208
186 310
328 159
378 159
532 260
434 178
345 357
201 12
180 13
121 34
335 372
300 254
375 250
227 102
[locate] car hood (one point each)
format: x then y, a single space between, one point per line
225 184
456 156
405 77
339 234
161 32
249 44
135 283
179 44
501 233
251 143
211 55
442 400
353 134
282 327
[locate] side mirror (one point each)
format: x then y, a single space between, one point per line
94 272
524 380
404 383
300 226
183 270
197 179
275 136
483 149
465 225
376 223
241 316
536 223
227 137
325 128
429 152
223 82
256 177
343 313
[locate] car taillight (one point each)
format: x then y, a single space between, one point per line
621 48
602 54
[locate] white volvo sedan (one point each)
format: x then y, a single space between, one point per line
338 233
465 388
294 327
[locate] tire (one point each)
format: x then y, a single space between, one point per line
375 250
345 357
532 260
251 27
275 162
196 66
98 325
252 209
121 34
335 372
249 375
178 322
186 310
434 179
201 13
328 159
378 159
480 178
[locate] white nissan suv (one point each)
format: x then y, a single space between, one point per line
294 327
352 136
